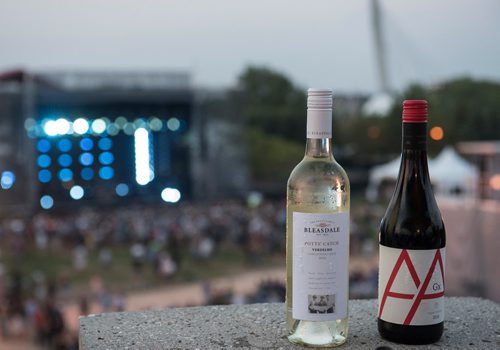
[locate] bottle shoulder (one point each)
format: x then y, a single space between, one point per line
317 170
413 221
318 185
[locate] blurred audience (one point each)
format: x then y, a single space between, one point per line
158 238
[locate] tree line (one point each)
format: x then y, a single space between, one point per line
273 109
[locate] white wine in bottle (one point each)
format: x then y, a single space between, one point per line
317 236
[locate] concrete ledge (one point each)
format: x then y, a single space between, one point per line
471 323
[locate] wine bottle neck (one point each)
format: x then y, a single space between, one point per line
319 123
414 154
415 136
319 148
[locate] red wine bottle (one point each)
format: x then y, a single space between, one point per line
412 244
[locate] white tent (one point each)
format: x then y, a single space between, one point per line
450 174
388 171
378 105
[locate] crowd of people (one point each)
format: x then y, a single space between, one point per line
157 238
150 231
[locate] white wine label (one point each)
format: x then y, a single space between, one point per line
411 286
320 266
319 123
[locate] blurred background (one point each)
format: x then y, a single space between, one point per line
145 146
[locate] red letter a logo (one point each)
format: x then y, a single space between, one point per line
421 287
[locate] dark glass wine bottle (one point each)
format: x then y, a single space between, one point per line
412 244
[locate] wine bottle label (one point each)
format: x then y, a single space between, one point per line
411 286
320 266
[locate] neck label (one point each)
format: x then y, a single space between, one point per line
415 135
319 123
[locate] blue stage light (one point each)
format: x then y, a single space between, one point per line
87 174
43 146
105 144
64 145
122 190
65 175
44 160
86 158
86 144
65 160
106 158
44 176
46 202
106 173
7 179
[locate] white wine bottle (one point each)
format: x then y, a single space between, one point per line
317 234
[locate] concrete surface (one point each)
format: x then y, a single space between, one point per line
470 323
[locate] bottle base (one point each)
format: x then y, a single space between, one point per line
412 335
317 334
